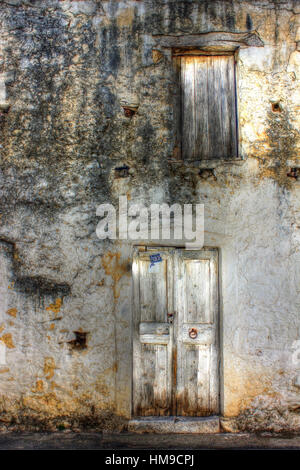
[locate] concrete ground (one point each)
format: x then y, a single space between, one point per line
130 441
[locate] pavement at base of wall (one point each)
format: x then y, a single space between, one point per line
66 440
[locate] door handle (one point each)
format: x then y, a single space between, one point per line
193 333
170 317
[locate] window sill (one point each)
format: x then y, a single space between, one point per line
208 164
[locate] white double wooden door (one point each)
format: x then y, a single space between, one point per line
175 333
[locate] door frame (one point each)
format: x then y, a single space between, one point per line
143 248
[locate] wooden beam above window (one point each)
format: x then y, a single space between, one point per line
224 41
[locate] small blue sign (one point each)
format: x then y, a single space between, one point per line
155 259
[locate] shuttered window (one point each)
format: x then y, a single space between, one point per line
208 115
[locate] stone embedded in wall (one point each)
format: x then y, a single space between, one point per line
297 381
294 64
130 104
86 7
260 59
5 79
157 55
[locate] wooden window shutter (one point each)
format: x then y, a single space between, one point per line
209 121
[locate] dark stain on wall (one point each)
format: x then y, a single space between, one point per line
249 23
41 286
230 20
113 48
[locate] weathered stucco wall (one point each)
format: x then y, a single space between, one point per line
65 66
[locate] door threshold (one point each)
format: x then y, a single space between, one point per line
175 425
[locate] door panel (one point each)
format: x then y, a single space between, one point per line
153 335
175 366
153 290
193 388
197 288
196 305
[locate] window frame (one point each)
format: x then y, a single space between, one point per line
177 53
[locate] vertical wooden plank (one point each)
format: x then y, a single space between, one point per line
197 286
217 120
162 391
214 394
232 107
202 145
180 391
172 346
189 406
225 110
204 378
153 291
195 396
146 401
136 346
176 94
188 107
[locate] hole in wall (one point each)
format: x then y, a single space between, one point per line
80 341
4 108
129 111
293 173
276 107
122 171
207 173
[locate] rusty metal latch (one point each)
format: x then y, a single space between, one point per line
193 333
170 317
